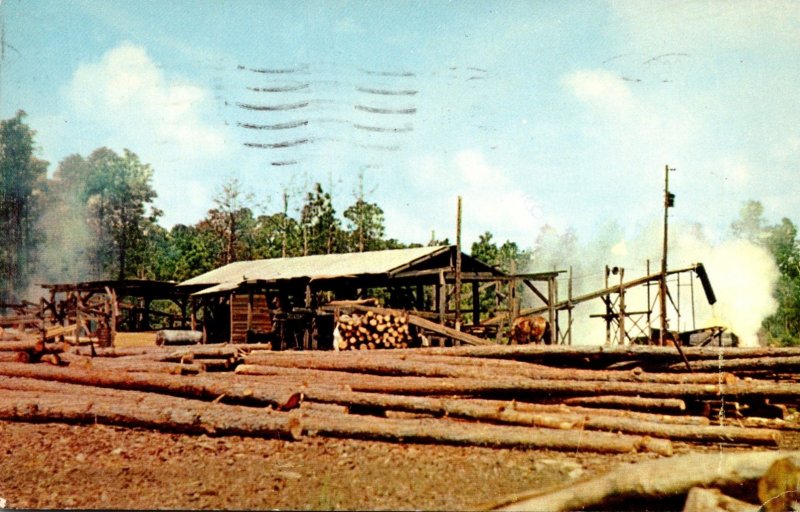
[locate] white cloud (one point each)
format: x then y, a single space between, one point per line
602 90
491 201
129 97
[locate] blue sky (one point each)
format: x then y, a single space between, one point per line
541 112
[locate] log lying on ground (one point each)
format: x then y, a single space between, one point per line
638 483
162 415
452 432
726 364
199 387
394 363
178 337
505 413
131 365
700 499
636 403
681 419
119 351
602 356
524 387
37 401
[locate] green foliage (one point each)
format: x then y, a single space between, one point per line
783 326
321 230
22 186
118 195
366 225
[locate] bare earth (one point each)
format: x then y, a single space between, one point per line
69 466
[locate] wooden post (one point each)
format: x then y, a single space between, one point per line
458 267
205 321
249 309
146 314
608 309
441 298
43 329
193 313
476 303
663 280
78 317
551 310
569 311
621 306
420 298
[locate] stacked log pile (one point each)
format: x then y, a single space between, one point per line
372 331
568 398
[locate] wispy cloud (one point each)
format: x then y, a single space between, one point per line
127 93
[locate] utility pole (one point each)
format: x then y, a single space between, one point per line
669 201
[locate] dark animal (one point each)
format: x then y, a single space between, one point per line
530 329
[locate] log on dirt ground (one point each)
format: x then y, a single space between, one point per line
161 415
178 337
200 387
130 365
400 363
700 499
504 412
644 482
477 434
601 356
733 364
681 419
34 400
524 388
635 403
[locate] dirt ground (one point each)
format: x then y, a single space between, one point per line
70 466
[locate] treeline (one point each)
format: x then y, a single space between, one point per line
95 219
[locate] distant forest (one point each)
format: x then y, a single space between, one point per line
95 219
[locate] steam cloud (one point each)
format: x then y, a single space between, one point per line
742 274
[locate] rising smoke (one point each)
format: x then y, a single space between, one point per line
742 274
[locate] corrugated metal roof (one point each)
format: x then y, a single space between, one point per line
318 266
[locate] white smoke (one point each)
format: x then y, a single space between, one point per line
742 274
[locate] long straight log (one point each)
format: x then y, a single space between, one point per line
505 414
163 415
771 364
386 363
607 355
130 365
459 433
537 388
648 480
621 413
200 387
130 408
629 402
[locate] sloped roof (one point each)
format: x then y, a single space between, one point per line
312 267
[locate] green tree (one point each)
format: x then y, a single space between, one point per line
119 201
321 230
233 221
366 225
22 186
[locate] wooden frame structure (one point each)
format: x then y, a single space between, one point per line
98 310
283 299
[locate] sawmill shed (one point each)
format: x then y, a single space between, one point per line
283 299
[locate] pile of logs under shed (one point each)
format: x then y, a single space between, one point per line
612 400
